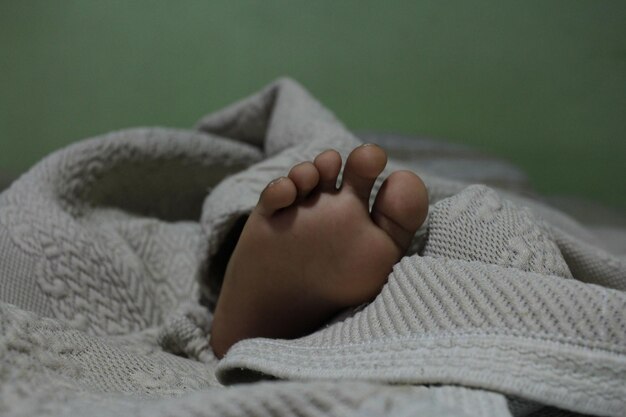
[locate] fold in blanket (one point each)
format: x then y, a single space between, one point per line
107 263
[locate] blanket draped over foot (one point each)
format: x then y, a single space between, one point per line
108 254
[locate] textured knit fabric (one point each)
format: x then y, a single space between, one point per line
108 254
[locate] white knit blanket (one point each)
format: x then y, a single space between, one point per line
109 263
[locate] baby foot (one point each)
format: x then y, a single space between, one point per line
309 249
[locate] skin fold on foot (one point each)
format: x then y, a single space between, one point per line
309 249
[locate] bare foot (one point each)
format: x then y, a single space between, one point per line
309 249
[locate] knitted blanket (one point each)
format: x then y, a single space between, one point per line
110 263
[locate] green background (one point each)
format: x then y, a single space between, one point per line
540 83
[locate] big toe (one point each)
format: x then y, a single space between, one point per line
363 166
401 207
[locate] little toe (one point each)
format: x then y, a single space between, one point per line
278 194
363 166
305 176
328 165
401 207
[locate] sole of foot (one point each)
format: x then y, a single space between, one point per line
310 249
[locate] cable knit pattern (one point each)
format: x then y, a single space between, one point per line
106 255
479 225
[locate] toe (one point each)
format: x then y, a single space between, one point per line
328 164
363 166
305 176
401 207
278 194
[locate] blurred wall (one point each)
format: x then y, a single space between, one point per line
541 83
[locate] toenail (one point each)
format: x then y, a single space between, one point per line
276 181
